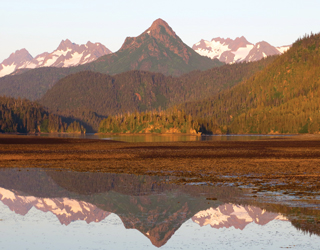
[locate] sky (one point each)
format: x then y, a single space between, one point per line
40 25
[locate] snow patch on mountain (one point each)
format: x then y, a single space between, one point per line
7 69
283 49
74 60
242 52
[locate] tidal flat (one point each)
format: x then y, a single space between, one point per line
278 177
289 165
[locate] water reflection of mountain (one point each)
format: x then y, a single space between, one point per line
66 210
69 210
146 203
237 216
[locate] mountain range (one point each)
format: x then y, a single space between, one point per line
66 55
158 49
237 50
70 54
276 94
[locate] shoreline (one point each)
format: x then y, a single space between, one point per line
147 134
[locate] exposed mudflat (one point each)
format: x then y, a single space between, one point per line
287 165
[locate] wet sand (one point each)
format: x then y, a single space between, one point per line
289 165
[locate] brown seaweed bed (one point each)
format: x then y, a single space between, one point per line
287 165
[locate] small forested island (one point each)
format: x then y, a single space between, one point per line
172 121
23 116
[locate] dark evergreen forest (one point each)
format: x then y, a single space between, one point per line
23 116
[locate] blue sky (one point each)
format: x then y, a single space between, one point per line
40 26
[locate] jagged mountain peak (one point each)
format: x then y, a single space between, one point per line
157 27
22 51
159 49
65 44
261 50
263 42
159 22
21 54
159 30
221 40
241 39
18 59
89 44
239 42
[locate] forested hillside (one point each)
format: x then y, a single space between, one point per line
283 98
32 84
172 121
23 116
140 91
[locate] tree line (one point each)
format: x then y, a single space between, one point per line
23 116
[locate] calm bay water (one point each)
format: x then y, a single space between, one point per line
48 209
166 138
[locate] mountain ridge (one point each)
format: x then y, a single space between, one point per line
237 50
67 54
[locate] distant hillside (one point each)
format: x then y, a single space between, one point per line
283 98
17 115
158 49
140 91
32 84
